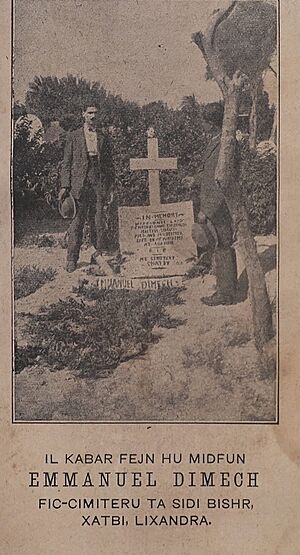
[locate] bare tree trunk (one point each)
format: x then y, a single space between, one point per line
259 299
273 136
227 178
253 118
227 175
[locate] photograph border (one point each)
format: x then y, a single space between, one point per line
151 423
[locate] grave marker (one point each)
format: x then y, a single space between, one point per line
155 240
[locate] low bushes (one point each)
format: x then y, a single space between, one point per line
30 278
94 333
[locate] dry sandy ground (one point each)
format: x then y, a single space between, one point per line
205 370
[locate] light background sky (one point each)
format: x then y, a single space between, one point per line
139 49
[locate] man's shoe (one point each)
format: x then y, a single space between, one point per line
218 299
71 266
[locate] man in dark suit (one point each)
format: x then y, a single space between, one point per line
87 172
210 205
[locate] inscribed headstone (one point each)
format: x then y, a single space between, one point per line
156 240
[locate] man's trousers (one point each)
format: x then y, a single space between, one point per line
224 258
89 208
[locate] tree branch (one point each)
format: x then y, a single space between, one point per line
217 18
197 39
272 69
211 59
205 42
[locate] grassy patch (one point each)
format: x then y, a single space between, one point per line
42 240
94 333
30 278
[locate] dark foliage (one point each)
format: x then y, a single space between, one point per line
246 39
265 114
180 132
25 356
201 266
95 333
35 170
28 279
18 111
54 99
258 181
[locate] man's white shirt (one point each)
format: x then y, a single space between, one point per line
91 141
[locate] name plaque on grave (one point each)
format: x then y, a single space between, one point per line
142 284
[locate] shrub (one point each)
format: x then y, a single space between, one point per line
93 334
30 278
180 133
258 180
35 170
25 355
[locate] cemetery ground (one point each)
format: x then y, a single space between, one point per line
202 367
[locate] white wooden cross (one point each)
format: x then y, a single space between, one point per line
154 165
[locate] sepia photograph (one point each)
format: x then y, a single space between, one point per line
145 211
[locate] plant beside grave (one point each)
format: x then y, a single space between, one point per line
201 266
91 335
30 278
